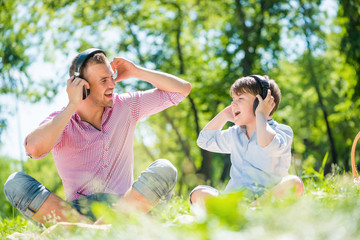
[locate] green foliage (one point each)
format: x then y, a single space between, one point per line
319 174
349 19
228 210
22 31
17 224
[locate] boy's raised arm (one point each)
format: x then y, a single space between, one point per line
265 133
220 119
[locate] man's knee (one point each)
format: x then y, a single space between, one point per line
15 186
165 170
21 190
157 180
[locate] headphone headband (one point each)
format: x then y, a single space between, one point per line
83 57
263 84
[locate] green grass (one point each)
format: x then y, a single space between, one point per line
329 209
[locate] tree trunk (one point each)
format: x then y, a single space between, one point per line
206 164
313 79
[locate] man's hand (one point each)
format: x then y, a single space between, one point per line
124 68
163 81
265 105
43 139
74 90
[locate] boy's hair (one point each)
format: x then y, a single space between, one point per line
249 85
95 59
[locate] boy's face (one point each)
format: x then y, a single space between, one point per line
242 109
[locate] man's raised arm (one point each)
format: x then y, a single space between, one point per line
44 138
163 81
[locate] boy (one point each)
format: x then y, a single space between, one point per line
259 147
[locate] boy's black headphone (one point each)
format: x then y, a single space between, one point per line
264 85
85 55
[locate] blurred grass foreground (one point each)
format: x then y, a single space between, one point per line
329 209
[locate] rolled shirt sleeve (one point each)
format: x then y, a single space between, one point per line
146 103
49 118
281 141
215 140
279 151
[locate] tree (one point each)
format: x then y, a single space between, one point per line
211 44
13 61
349 12
209 48
21 32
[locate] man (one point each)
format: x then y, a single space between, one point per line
92 143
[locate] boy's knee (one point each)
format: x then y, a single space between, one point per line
202 192
196 196
294 182
157 181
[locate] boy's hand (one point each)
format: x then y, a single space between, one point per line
124 68
265 105
228 114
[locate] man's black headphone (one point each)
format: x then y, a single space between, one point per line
85 55
264 85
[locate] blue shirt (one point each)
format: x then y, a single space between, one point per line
252 166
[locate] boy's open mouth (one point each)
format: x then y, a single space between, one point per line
237 113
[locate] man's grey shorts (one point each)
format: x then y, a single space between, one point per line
27 194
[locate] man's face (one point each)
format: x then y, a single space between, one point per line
242 109
99 76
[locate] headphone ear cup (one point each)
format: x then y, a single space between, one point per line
86 92
256 103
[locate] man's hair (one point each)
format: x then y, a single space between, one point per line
249 85
95 59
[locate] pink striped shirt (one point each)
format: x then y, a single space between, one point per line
90 160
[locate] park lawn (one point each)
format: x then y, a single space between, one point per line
329 209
